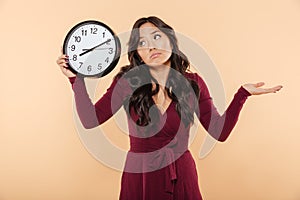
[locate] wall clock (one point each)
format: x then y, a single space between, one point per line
93 49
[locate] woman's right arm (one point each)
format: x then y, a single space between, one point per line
91 115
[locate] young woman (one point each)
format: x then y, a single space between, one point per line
160 96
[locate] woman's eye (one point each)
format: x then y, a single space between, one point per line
142 43
157 36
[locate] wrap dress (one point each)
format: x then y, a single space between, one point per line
159 165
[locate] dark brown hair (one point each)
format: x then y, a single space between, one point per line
140 77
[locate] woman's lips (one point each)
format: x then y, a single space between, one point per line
155 55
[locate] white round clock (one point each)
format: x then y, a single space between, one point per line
93 49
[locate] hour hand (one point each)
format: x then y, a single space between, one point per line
91 49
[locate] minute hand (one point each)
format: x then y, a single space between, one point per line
89 50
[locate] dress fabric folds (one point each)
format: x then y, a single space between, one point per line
159 165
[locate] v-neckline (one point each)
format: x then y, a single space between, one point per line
163 113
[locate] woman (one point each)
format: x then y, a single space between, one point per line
160 97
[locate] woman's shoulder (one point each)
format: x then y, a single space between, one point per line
195 77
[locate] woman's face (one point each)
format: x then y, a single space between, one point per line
154 46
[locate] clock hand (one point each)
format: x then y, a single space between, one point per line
91 49
95 49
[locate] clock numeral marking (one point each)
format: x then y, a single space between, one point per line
77 38
84 32
89 68
94 30
99 66
74 57
80 65
107 59
103 34
73 47
110 50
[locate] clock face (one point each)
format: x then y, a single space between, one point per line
93 49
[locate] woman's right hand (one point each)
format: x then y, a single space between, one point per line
62 63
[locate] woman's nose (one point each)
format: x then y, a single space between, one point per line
151 45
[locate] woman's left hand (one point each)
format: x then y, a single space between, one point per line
255 89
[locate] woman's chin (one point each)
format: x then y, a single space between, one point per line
159 64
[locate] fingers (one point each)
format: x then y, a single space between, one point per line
63 58
273 89
62 61
256 89
277 88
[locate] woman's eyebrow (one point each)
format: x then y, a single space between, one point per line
155 32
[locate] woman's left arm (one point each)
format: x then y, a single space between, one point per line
220 126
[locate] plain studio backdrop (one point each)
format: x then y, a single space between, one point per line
41 155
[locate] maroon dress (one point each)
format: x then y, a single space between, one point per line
159 165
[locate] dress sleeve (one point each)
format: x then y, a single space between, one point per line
91 115
218 126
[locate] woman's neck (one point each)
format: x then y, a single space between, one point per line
160 73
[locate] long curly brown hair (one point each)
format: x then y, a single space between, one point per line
178 87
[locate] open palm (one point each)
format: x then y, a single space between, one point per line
255 89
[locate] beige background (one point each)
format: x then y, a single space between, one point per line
41 155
